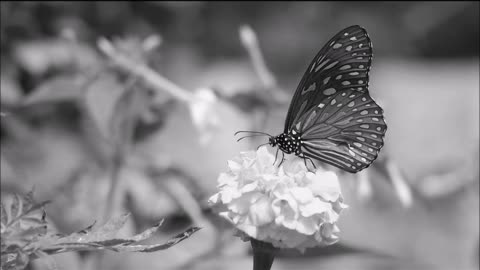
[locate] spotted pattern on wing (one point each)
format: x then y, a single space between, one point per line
332 117
348 130
336 67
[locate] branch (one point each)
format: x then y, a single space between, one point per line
250 42
401 186
157 81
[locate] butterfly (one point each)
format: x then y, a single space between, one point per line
332 118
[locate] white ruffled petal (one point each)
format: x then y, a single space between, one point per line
287 206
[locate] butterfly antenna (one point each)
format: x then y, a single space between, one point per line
254 132
248 136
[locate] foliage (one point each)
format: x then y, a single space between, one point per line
25 235
22 225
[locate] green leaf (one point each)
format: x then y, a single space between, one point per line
152 248
102 238
24 235
93 235
147 233
14 260
16 207
22 224
3 217
23 210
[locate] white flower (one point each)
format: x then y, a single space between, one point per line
287 206
204 114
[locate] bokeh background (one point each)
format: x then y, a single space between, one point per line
97 140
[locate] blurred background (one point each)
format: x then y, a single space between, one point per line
85 126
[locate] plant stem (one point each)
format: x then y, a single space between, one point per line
263 255
250 42
141 70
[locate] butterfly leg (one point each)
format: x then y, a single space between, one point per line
305 161
276 155
313 164
283 159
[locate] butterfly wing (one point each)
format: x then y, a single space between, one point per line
340 124
341 64
345 130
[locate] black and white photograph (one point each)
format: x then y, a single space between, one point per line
239 135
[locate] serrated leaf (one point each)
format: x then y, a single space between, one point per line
152 248
136 238
111 227
87 229
28 200
23 211
3 216
95 235
147 233
23 223
96 240
24 236
16 260
29 217
15 208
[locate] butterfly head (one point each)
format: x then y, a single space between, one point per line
272 141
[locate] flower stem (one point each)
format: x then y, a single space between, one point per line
263 255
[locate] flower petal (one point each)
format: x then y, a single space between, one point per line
261 213
287 206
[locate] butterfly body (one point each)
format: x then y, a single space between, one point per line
288 142
332 118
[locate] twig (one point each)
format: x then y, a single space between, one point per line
250 42
142 71
122 147
402 188
275 95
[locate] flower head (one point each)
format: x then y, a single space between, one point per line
204 114
287 206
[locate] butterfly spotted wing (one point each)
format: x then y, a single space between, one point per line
332 111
